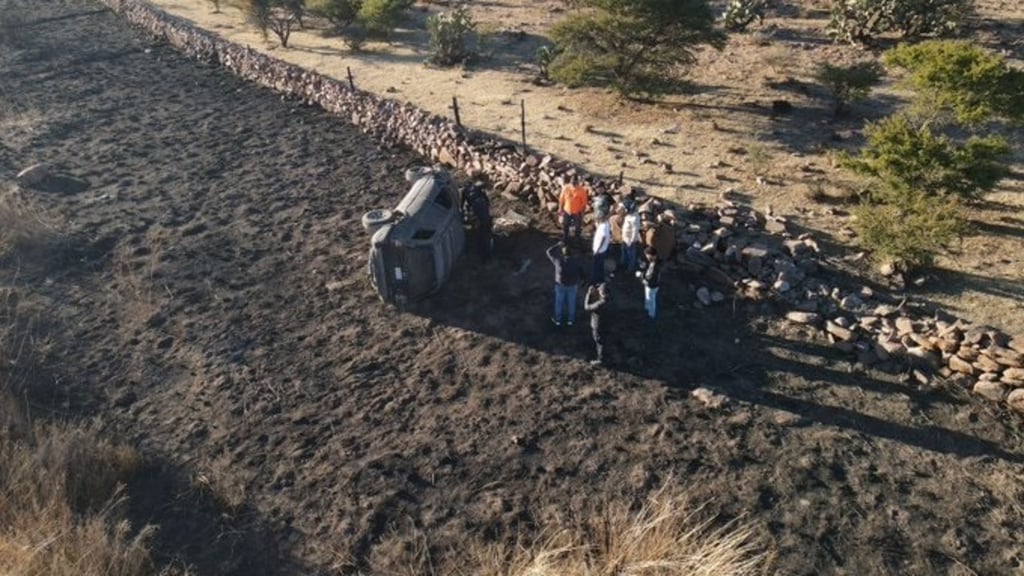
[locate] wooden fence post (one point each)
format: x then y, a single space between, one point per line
455 108
351 82
522 122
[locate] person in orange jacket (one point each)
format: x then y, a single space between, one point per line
571 205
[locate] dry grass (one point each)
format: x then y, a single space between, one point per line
61 489
61 486
24 230
666 536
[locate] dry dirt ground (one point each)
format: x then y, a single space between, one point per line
719 138
197 284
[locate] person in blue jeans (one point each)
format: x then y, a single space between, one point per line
568 273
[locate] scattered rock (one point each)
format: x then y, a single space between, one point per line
704 296
709 398
35 175
799 317
960 365
993 391
1015 400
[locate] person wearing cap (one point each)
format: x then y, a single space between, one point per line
571 205
568 274
630 236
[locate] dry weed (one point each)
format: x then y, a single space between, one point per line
61 490
24 230
667 536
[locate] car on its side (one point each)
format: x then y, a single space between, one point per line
415 246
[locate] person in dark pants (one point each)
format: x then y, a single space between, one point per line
568 273
476 202
652 280
595 302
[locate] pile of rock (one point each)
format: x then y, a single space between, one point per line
755 255
734 248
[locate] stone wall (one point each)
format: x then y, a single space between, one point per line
733 249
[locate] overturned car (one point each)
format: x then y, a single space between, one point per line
415 246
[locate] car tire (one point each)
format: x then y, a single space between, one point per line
416 172
374 219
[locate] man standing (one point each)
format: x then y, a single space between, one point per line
568 273
662 237
595 302
652 280
475 201
571 205
602 242
630 236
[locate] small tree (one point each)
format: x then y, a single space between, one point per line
851 83
339 13
741 13
908 228
634 46
904 156
962 79
861 21
453 38
380 17
277 16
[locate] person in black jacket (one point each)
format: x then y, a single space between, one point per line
568 273
652 280
476 202
595 303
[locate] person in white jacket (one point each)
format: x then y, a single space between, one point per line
602 242
630 236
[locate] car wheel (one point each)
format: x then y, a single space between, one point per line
416 172
374 219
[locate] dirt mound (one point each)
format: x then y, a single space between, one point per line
200 325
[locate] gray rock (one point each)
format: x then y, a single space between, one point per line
704 296
993 391
800 317
709 398
851 303
1016 400
34 175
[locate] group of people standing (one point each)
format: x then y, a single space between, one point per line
645 245
655 240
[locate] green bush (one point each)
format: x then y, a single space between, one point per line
633 46
340 13
741 13
908 227
453 37
960 77
380 17
861 21
904 156
851 83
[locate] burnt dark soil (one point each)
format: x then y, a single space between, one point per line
207 300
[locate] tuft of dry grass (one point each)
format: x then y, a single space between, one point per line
61 491
666 536
23 228
61 486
